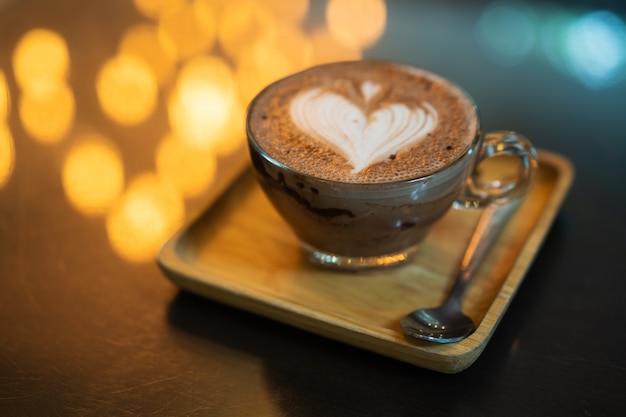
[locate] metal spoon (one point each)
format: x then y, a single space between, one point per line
447 323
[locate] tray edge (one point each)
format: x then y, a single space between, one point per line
455 360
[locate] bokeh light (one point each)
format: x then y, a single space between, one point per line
41 66
327 49
295 45
93 174
127 89
188 29
263 64
152 9
7 153
202 103
506 32
7 148
356 23
292 10
590 46
233 138
5 97
208 59
142 41
596 49
40 61
244 23
144 217
49 117
189 169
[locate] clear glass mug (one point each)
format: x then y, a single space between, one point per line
356 226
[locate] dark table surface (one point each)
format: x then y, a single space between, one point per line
90 326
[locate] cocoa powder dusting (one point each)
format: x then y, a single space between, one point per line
270 122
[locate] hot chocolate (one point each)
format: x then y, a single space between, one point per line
363 122
361 158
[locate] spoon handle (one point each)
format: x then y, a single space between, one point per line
487 230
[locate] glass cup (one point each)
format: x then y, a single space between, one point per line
356 226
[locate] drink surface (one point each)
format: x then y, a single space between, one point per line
363 122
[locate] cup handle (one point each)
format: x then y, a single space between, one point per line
479 193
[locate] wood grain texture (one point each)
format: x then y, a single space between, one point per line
240 252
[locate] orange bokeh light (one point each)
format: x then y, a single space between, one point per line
142 41
327 49
40 61
152 9
203 101
292 10
243 23
7 153
188 29
127 89
93 174
208 58
144 217
356 24
5 97
295 45
263 64
189 169
48 118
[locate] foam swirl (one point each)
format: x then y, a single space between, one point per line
364 136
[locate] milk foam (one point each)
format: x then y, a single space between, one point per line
365 135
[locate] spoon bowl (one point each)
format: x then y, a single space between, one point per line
444 324
447 323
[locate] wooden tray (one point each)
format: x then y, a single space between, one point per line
240 252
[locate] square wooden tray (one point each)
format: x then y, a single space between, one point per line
240 252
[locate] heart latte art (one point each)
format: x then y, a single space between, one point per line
365 135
